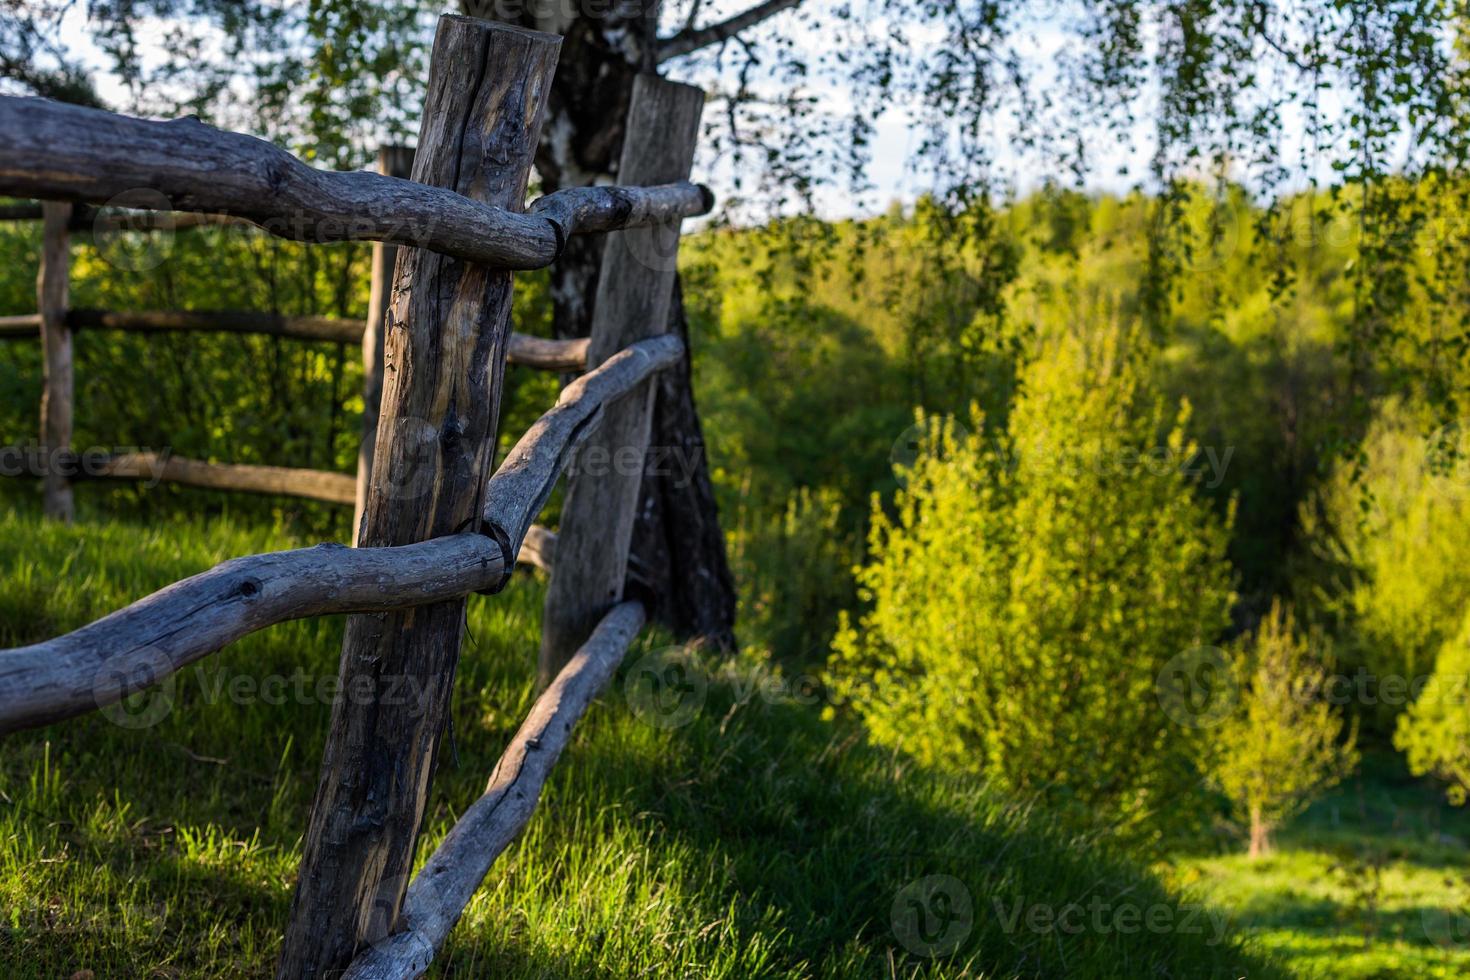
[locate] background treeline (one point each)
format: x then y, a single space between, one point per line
1223 338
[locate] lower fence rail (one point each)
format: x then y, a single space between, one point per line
438 894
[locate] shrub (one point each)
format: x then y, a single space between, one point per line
1434 734
1283 745
1031 585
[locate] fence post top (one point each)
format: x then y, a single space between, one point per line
495 25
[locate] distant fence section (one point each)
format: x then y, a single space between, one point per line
433 527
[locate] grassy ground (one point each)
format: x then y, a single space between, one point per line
1372 881
755 840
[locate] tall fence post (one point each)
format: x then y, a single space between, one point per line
447 330
53 284
394 161
633 293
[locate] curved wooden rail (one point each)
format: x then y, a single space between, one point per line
518 490
94 156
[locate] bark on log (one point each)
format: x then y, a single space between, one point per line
633 295
226 321
679 563
444 359
24 325
52 287
439 893
334 488
393 161
144 643
548 355
88 218
72 153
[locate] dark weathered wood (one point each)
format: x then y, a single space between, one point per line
52 286
448 328
523 349
324 485
72 153
394 161
679 565
522 485
144 643
24 325
336 488
634 287
20 212
547 355
439 893
225 321
87 218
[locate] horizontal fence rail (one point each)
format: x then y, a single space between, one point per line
524 349
94 156
143 644
86 218
438 894
146 642
286 481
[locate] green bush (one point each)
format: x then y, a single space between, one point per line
1283 746
1434 734
1398 526
1030 588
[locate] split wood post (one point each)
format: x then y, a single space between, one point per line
633 292
52 286
444 354
395 161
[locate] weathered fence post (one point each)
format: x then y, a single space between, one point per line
52 286
444 353
633 292
395 161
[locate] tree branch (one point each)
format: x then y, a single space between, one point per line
688 41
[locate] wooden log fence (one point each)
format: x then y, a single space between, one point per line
162 633
524 350
437 523
633 295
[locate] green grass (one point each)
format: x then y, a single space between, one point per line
757 840
1372 881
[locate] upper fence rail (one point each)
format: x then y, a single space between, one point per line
98 157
